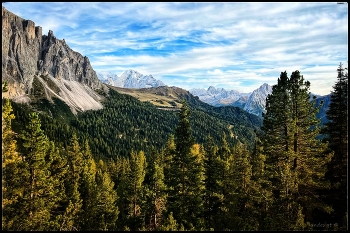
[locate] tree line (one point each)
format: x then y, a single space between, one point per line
290 180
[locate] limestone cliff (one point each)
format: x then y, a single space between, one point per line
62 72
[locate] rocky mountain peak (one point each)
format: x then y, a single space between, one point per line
29 55
129 79
211 89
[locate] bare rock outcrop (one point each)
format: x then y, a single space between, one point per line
27 54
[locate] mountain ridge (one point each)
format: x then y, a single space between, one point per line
252 102
129 79
29 57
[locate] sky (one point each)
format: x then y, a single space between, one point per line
230 45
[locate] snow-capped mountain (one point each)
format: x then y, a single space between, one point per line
253 102
107 77
218 96
129 79
257 100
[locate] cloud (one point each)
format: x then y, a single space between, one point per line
194 45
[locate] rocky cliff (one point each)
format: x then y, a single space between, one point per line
28 55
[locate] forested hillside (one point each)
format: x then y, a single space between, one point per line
126 124
60 176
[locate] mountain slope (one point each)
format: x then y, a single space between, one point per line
243 123
28 56
257 100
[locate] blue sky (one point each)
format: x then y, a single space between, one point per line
236 46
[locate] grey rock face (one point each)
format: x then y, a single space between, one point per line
257 100
61 62
21 44
27 53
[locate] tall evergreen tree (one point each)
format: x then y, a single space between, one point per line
121 169
295 159
58 170
39 196
186 184
264 196
88 189
131 192
222 221
213 196
336 132
244 193
71 218
136 177
106 200
156 190
12 164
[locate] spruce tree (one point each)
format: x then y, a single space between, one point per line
186 181
155 190
222 221
106 199
213 197
71 219
131 191
244 194
12 164
88 189
58 170
295 159
136 177
336 132
39 195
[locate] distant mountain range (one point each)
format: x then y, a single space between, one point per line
129 79
253 102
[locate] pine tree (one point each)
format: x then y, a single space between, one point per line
58 169
244 194
168 155
120 177
136 177
39 197
131 192
310 154
186 181
169 224
222 221
336 132
12 163
213 197
71 217
155 190
264 196
106 200
295 159
88 189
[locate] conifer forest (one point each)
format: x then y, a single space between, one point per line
133 167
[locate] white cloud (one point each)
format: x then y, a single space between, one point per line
239 45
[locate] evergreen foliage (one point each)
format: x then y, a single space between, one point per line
12 163
213 197
295 160
185 183
336 132
155 191
131 166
